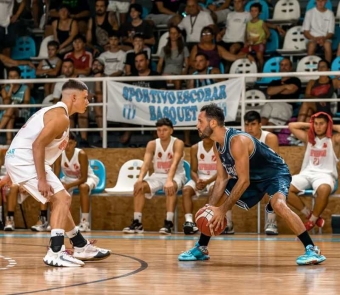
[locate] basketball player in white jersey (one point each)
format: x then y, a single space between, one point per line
319 167
166 153
203 175
28 163
74 164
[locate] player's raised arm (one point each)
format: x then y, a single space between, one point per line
300 130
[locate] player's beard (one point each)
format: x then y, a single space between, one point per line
206 133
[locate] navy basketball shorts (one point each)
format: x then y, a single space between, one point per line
257 190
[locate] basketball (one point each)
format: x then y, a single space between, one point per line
203 216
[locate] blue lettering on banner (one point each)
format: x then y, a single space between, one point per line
175 114
129 111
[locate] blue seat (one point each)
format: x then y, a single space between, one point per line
186 166
336 38
273 42
27 72
272 65
311 4
221 67
24 48
264 15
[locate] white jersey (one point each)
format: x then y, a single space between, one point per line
20 152
162 159
320 158
71 168
207 166
263 136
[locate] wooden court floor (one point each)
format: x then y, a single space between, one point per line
147 264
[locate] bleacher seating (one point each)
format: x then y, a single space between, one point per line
286 12
24 48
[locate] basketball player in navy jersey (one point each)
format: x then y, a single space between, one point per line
246 171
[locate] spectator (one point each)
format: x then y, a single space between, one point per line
122 7
49 67
5 61
64 30
194 22
164 12
100 27
16 94
218 8
82 59
214 52
278 113
257 34
137 26
138 46
8 20
318 26
114 58
79 11
323 87
175 56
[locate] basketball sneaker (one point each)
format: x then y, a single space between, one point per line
61 258
166 229
9 226
271 228
90 252
194 254
136 227
229 230
190 228
41 225
312 256
84 225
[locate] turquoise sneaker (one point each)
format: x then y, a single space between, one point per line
312 256
194 254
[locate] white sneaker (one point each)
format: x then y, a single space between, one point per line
90 252
9 226
271 228
41 225
61 258
84 226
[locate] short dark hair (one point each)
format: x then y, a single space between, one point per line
252 116
326 62
142 53
164 122
14 69
138 35
74 84
213 111
202 54
79 37
256 5
68 60
113 33
136 7
72 136
322 116
106 2
53 43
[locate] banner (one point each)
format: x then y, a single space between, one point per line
144 106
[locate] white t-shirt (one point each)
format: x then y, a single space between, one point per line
236 26
6 11
114 61
319 23
193 25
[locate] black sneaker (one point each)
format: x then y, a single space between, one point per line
166 229
229 230
135 228
190 228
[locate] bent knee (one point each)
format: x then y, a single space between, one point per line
187 192
278 204
84 188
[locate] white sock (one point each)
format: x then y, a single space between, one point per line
85 216
305 211
313 218
271 217
229 216
188 217
57 232
170 216
71 234
137 215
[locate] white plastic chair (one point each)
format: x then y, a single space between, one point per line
286 12
254 95
308 64
127 177
337 16
48 99
162 42
244 66
43 53
294 43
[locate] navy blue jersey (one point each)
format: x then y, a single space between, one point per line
264 163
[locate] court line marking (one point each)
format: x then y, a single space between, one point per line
11 262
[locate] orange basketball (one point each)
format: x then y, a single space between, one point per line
203 216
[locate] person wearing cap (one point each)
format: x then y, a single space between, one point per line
113 58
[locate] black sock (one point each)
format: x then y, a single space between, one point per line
78 240
43 213
10 213
204 240
56 243
305 239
